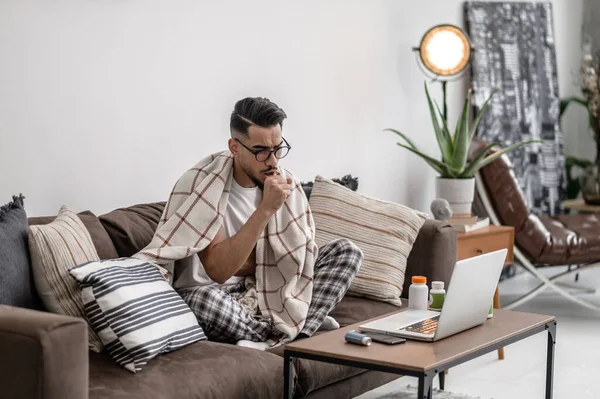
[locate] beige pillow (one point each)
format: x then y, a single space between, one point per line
384 231
55 248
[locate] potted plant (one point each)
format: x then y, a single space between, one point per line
589 180
580 169
456 182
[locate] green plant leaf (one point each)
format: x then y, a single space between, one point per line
471 169
443 141
573 186
446 131
460 121
443 169
492 157
565 102
579 162
410 143
479 115
461 138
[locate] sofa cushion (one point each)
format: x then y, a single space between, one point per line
433 254
100 238
16 283
384 231
55 248
202 370
353 310
132 228
134 310
313 375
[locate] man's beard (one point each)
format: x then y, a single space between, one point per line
256 181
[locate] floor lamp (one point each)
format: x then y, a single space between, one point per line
444 52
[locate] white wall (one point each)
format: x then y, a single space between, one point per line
106 103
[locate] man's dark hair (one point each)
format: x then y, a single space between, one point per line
258 111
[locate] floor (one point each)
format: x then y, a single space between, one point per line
522 373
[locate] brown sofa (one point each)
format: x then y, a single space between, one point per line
45 356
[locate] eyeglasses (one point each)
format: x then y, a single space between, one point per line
264 155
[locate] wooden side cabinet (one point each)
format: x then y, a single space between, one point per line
485 240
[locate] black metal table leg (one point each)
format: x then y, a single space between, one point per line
425 385
288 385
442 378
550 359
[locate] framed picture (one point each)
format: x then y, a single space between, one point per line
515 53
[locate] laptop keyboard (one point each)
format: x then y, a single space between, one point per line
427 326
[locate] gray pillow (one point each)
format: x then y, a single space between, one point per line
16 283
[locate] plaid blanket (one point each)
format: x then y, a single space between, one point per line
285 252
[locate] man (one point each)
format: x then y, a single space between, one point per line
216 283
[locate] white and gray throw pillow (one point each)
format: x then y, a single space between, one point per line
134 310
54 248
384 231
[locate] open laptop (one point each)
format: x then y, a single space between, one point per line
466 305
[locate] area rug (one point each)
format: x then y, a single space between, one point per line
410 392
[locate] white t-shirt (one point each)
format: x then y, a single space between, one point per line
242 204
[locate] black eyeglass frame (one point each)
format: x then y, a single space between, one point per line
271 152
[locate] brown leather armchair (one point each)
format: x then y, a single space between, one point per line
539 241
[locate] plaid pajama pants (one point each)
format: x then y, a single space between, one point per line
224 319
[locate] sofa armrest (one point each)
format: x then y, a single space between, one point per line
433 254
44 355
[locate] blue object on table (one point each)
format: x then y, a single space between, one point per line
355 337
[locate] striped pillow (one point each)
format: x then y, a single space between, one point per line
384 231
54 248
134 310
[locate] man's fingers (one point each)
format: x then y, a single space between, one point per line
274 179
289 181
285 188
278 179
282 186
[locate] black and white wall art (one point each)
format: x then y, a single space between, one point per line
515 53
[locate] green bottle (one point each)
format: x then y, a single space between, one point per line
438 294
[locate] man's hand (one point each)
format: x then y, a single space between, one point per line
276 190
223 258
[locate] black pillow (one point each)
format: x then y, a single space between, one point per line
16 284
346 181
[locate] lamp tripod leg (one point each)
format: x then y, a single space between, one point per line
444 100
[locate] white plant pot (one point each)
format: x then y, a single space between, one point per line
458 192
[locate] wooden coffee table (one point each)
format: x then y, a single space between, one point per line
424 359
